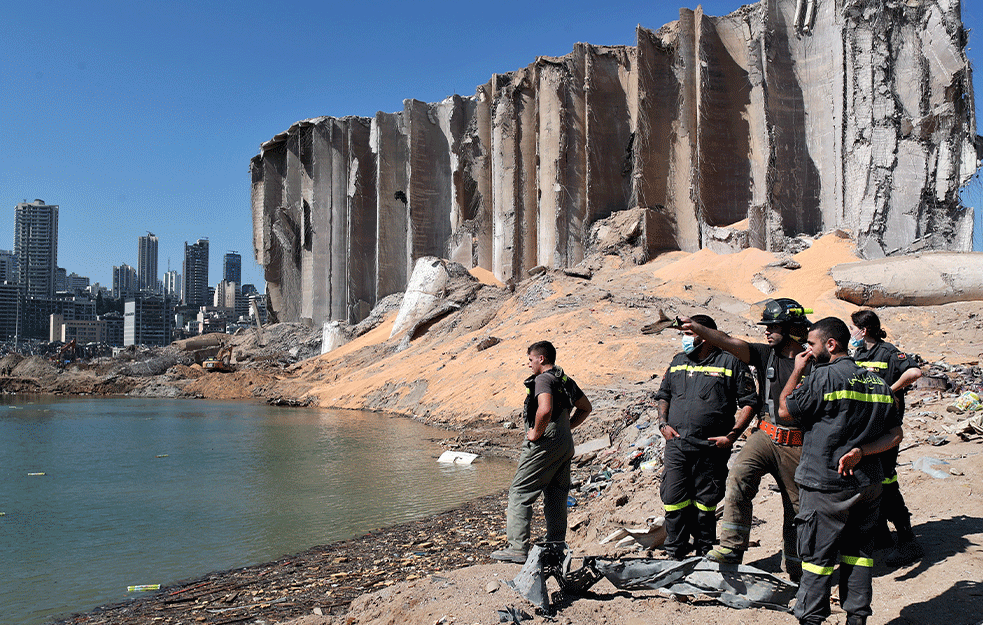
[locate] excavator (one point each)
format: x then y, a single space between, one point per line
68 353
222 361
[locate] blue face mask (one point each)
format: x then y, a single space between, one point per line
856 342
689 344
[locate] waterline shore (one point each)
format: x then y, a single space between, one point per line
323 579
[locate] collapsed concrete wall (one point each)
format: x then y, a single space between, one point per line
799 117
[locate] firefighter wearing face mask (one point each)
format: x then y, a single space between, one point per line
772 449
697 401
870 351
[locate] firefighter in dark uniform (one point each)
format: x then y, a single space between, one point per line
697 402
771 449
847 415
871 352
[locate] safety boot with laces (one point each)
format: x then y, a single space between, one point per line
725 555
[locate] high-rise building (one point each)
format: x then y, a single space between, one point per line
124 281
225 294
36 247
232 267
147 263
8 266
196 273
61 279
172 284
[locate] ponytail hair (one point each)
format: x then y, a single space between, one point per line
868 320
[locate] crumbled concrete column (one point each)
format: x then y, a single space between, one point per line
608 129
925 279
392 262
551 89
340 158
724 138
424 290
319 237
362 224
429 180
476 149
506 177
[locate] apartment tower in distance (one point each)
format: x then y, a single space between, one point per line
124 281
147 263
232 268
36 247
196 273
172 284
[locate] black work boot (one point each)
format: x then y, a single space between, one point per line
853 619
907 550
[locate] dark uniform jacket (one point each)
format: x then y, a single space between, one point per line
889 363
704 395
886 361
840 406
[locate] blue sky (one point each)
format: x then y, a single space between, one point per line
142 116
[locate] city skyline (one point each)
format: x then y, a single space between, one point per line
139 119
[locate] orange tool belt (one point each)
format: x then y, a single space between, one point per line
782 436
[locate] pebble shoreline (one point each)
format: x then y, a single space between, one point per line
322 580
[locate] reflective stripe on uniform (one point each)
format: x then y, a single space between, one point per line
872 364
856 561
673 507
891 480
872 398
700 369
815 569
736 527
705 507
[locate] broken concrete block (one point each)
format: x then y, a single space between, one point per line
596 444
920 280
488 341
333 336
425 289
637 234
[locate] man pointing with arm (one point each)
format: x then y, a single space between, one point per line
773 449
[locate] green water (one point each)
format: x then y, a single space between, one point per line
140 491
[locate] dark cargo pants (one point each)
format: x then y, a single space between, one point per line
893 507
692 486
761 456
544 467
832 524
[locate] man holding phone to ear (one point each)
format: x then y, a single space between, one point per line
847 415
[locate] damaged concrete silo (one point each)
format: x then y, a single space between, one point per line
797 117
